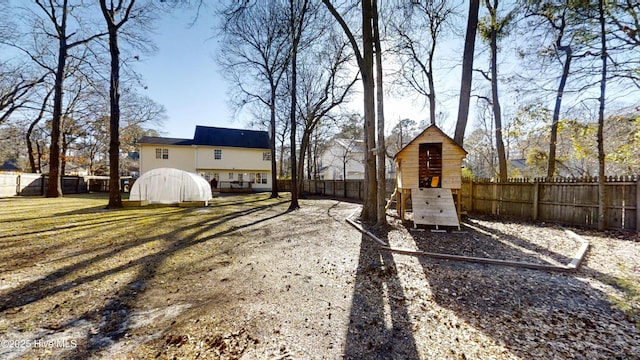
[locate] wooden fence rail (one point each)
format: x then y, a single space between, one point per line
565 201
568 201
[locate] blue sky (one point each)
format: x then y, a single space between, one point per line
183 76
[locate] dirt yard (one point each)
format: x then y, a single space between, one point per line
245 279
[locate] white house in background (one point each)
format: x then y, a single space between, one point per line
237 158
346 157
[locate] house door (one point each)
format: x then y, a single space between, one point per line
430 169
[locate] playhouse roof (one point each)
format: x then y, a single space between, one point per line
432 128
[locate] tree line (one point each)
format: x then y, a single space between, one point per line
527 70
67 81
561 55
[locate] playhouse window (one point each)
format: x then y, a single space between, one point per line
430 170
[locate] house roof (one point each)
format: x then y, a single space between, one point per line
432 127
164 141
10 165
215 136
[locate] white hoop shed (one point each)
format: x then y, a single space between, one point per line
170 186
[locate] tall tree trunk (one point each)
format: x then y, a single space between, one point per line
32 161
381 151
296 23
497 111
432 87
467 71
553 140
39 151
115 198
304 153
365 64
432 94
369 208
63 155
309 159
281 161
601 155
272 143
54 186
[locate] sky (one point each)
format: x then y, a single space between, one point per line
184 77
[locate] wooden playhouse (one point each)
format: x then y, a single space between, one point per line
429 171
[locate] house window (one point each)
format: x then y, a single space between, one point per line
261 178
240 179
217 154
230 176
162 153
266 155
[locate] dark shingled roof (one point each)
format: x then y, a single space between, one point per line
10 165
215 136
164 141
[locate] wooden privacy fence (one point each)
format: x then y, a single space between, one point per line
571 201
336 188
26 184
567 201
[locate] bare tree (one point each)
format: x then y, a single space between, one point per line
255 56
380 148
297 14
323 86
116 14
365 65
418 28
58 15
30 130
15 89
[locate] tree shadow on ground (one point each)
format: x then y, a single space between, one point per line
113 320
379 326
534 313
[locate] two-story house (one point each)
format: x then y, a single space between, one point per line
344 159
236 158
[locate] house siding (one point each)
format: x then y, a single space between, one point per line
232 159
247 162
185 154
180 157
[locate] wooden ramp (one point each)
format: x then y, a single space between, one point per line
434 206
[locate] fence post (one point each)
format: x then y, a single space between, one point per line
536 195
494 200
470 208
638 204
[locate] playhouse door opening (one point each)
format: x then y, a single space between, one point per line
430 170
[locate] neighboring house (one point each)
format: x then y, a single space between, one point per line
236 158
346 156
342 156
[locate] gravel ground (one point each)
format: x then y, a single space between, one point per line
307 285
